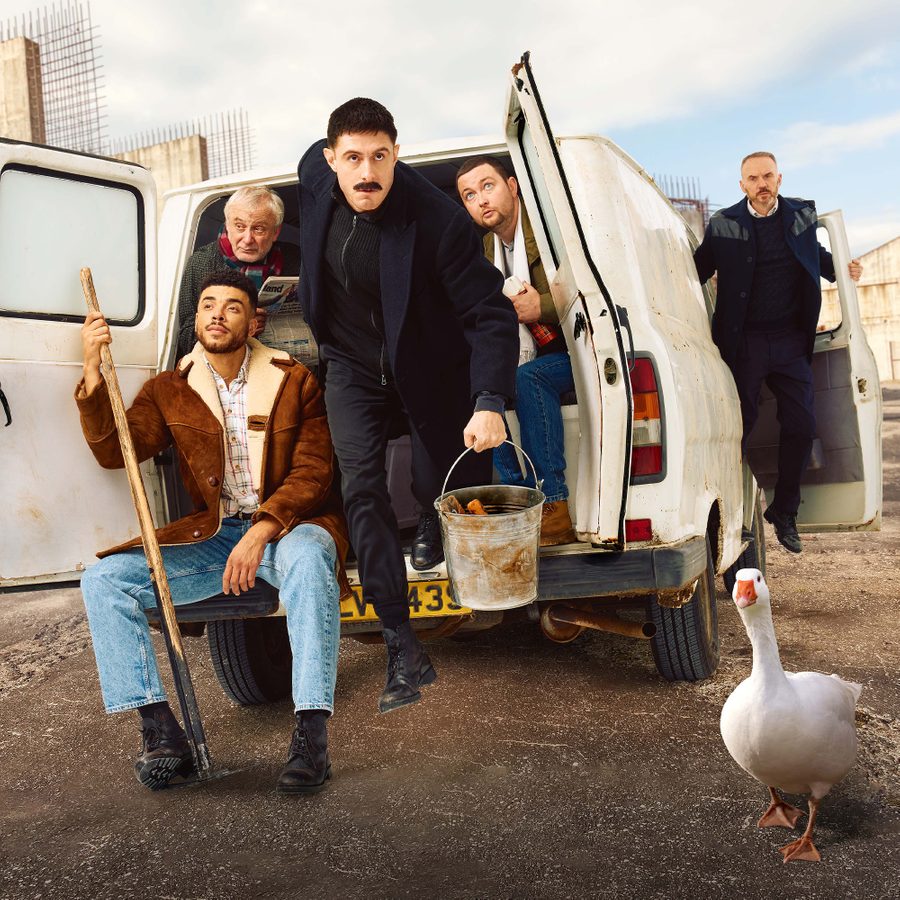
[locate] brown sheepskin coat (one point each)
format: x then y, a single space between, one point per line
291 458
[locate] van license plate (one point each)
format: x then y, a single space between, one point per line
427 599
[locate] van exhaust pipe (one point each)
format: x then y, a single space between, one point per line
563 623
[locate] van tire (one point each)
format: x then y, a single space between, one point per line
754 557
686 644
251 658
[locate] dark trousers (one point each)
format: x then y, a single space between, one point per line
363 416
779 360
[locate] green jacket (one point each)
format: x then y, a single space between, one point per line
539 282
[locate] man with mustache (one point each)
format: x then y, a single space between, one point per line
412 326
491 196
247 243
768 260
256 459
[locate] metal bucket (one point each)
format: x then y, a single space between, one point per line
493 560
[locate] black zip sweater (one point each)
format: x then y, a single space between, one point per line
774 298
354 318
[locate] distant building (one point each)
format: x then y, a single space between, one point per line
686 196
51 92
879 305
21 99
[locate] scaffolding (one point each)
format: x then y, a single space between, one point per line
71 76
685 196
230 141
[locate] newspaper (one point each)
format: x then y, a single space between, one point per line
286 328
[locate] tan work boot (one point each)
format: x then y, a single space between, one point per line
556 526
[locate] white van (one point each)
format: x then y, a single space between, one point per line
660 501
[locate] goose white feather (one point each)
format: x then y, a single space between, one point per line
792 731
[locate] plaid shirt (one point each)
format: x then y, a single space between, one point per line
238 494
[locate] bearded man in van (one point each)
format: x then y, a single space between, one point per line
491 196
257 461
412 325
769 261
246 243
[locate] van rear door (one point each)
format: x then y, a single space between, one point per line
60 211
588 316
841 489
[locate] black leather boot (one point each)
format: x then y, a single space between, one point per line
427 546
785 529
308 766
408 668
165 751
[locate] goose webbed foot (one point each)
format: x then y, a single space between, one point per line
803 847
779 814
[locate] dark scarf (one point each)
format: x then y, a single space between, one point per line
257 272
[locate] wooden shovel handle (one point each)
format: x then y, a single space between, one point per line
168 621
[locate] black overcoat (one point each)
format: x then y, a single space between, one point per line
450 333
729 248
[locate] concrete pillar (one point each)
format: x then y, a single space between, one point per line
173 163
694 218
21 97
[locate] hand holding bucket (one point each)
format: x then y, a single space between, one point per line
493 560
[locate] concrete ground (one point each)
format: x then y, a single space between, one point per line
530 769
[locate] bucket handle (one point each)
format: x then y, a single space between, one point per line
469 450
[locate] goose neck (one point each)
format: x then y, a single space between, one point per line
766 658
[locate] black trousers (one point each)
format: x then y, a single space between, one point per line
363 416
779 360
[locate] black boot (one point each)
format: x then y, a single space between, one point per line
785 529
408 668
308 766
427 547
165 751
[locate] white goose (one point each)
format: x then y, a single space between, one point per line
793 731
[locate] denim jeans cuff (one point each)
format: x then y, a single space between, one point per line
302 707
135 704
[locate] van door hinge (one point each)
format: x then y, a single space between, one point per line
862 385
580 325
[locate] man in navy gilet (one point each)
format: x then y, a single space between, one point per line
768 260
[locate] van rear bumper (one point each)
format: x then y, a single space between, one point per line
639 571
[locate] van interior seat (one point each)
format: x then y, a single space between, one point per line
260 600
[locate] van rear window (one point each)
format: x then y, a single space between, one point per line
52 225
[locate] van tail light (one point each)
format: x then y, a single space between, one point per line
638 530
646 426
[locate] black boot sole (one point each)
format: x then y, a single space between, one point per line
156 774
429 677
420 566
304 788
788 547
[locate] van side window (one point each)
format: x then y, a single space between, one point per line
51 226
539 186
830 314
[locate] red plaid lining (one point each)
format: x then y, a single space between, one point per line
544 334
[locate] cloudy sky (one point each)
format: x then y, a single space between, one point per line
686 88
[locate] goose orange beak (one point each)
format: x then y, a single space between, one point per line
745 595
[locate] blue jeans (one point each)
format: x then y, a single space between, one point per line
539 386
301 565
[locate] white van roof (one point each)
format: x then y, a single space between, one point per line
279 174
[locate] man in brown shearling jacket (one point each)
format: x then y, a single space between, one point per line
256 459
